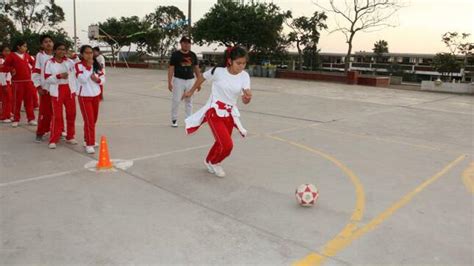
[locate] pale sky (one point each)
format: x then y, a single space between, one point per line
420 24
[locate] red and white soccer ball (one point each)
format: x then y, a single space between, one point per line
306 195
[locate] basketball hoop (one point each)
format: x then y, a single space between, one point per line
93 32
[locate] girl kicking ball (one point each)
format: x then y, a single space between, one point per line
229 82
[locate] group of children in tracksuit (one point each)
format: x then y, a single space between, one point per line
58 76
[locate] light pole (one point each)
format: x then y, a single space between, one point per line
75 30
189 17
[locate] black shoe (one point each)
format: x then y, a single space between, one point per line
174 123
39 139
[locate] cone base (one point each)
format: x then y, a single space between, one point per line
104 167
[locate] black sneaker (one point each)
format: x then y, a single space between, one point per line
39 139
174 123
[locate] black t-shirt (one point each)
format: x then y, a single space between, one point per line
183 64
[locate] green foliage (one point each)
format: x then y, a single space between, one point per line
163 27
445 63
256 27
7 29
33 39
34 15
380 48
305 34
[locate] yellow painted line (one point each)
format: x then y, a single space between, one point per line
468 177
338 242
420 146
316 259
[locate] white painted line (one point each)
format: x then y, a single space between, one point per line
169 152
39 178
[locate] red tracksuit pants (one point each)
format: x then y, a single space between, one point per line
44 115
90 112
221 128
68 100
35 96
6 96
22 94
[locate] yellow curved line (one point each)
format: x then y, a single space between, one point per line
340 241
351 231
468 177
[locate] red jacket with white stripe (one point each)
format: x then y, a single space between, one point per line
22 65
86 87
5 78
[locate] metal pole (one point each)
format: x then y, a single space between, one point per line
189 17
75 29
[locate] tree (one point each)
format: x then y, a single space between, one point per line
257 27
7 29
459 44
119 32
446 64
33 39
353 16
380 48
163 28
305 33
34 15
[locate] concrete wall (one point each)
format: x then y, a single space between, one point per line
463 88
352 77
395 80
373 81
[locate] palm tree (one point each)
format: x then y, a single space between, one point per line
380 47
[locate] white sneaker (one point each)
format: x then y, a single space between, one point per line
71 141
32 123
63 134
95 144
90 149
218 170
174 123
209 167
15 124
52 145
6 121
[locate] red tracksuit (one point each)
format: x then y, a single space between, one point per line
90 113
88 98
22 83
67 99
45 112
7 99
221 128
61 95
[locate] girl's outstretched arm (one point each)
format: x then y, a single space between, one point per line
199 81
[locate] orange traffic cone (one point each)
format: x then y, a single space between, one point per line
104 159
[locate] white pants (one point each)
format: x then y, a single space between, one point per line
179 87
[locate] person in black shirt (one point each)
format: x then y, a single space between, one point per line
183 69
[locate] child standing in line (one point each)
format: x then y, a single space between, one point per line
6 95
89 77
20 64
63 93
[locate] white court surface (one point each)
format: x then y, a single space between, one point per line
391 166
